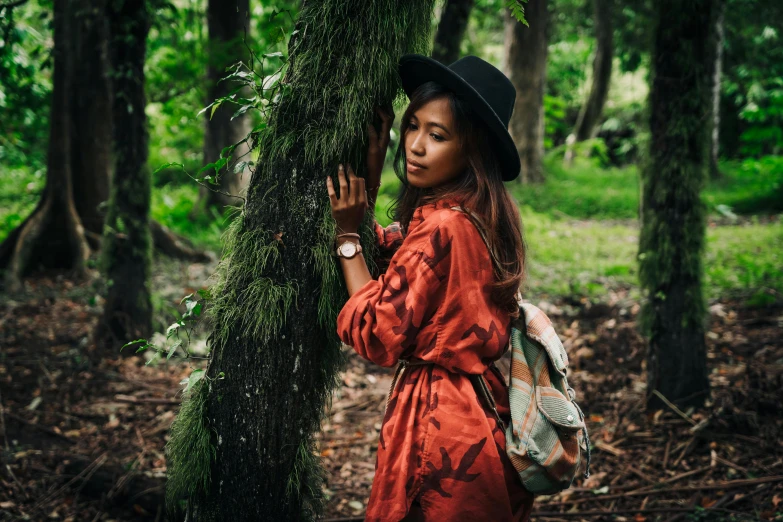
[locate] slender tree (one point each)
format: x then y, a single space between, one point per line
526 55
91 116
53 234
242 446
127 243
227 22
672 236
717 75
590 114
451 28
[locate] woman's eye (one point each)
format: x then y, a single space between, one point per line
412 126
436 137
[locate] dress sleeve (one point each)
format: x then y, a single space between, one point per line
389 241
382 319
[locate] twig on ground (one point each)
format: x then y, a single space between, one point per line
149 400
674 408
666 453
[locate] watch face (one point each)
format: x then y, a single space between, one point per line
348 249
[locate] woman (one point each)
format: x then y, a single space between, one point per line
440 304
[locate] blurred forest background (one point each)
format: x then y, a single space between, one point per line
148 131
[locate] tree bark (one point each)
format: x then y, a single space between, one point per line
127 243
673 227
227 22
91 115
269 359
590 114
53 236
526 55
719 39
451 29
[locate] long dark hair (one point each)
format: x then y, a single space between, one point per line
480 189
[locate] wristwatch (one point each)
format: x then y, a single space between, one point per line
348 250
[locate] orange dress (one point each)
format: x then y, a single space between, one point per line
441 454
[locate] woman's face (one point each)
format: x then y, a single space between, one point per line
433 151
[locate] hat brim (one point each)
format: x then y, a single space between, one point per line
416 69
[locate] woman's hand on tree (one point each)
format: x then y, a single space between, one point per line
348 210
378 144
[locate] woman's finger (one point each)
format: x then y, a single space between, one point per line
386 123
342 182
373 134
356 186
330 191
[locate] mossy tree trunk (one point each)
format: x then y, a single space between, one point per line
275 354
526 55
91 116
53 235
227 22
127 243
590 113
451 29
672 237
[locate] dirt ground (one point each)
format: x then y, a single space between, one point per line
83 432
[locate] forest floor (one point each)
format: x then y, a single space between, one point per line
83 432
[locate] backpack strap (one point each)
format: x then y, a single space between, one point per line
537 327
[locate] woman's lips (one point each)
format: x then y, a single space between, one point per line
412 167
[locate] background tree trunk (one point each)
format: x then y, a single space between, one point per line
719 39
91 116
526 54
672 236
267 358
227 22
127 244
590 114
451 29
53 235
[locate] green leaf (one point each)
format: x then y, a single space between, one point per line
172 329
195 376
137 341
239 167
167 165
173 349
214 108
202 111
242 110
518 10
227 151
153 359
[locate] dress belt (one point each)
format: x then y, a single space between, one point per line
479 384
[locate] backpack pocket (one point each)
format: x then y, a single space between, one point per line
554 442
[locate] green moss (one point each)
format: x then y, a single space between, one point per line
190 450
306 479
264 303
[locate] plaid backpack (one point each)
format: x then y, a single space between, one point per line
543 441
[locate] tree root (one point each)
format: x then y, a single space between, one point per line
56 218
170 244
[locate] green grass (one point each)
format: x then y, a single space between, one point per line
578 257
589 257
20 191
585 191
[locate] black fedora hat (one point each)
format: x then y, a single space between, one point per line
487 90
